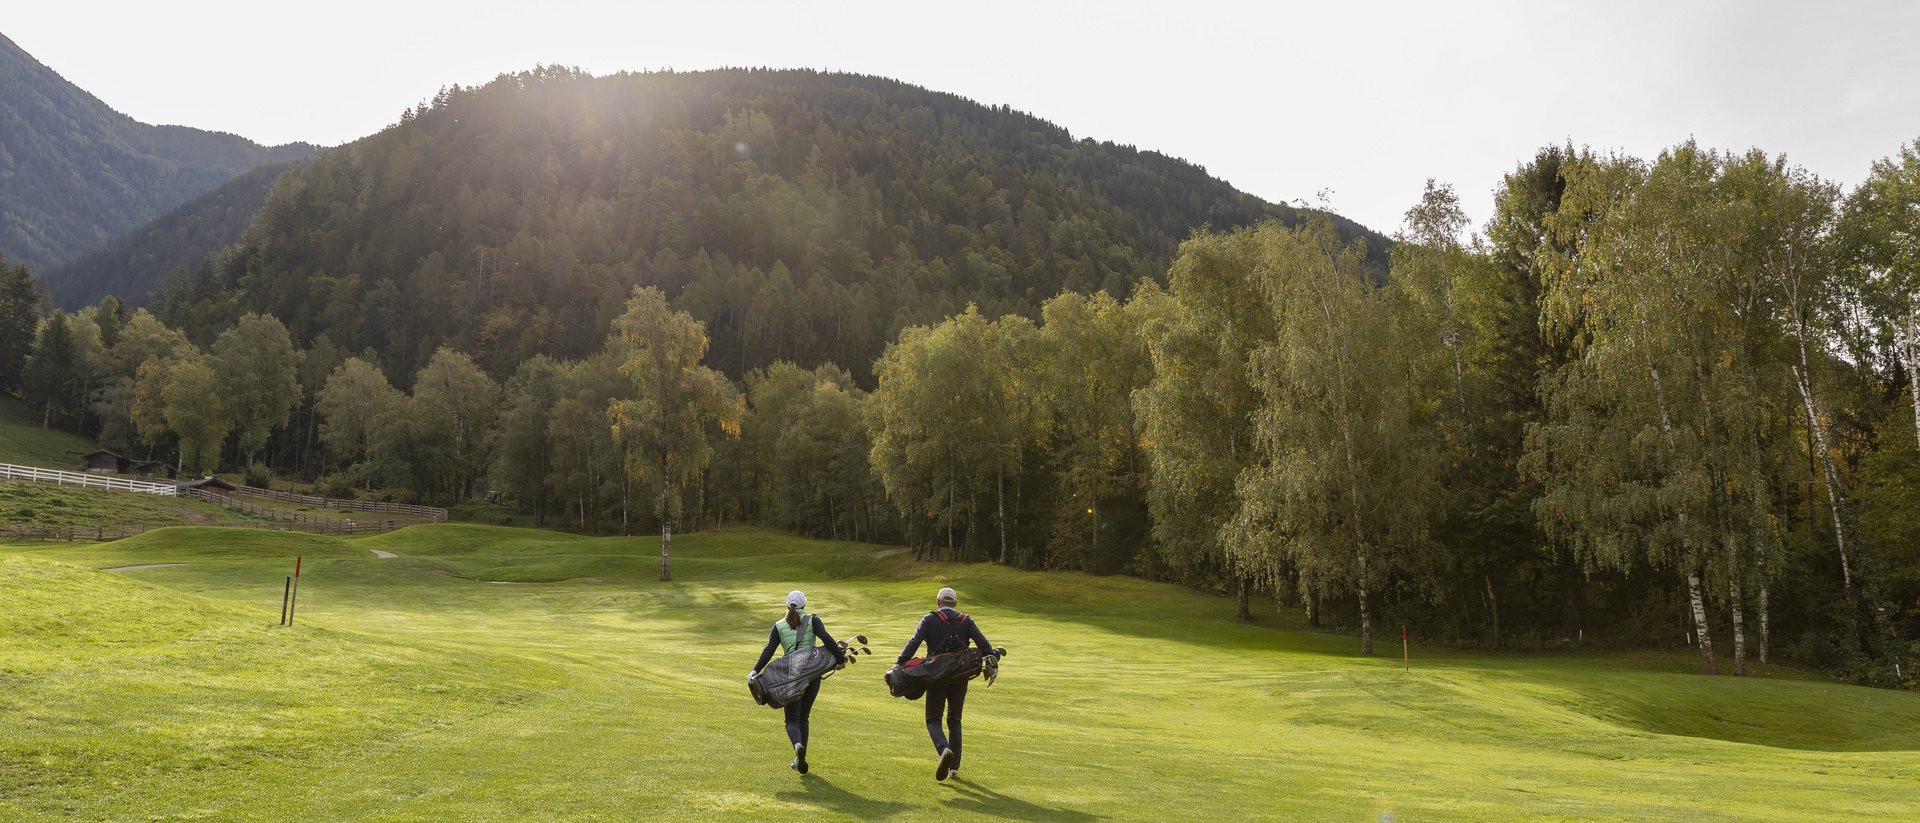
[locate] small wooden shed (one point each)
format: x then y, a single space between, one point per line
106 461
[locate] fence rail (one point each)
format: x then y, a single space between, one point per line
294 521
90 481
436 515
282 520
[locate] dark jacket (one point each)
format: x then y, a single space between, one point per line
942 636
819 631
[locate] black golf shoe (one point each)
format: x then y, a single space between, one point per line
941 771
800 758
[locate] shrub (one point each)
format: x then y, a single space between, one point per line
338 485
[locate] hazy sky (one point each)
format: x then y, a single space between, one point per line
1362 99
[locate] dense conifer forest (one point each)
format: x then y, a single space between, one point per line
802 216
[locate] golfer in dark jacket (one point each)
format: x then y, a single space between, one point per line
796 631
945 630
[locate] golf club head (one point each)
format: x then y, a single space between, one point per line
860 639
865 650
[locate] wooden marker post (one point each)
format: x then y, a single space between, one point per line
1406 660
285 595
293 599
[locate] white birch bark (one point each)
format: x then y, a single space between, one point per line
1693 575
1735 602
1828 472
1700 622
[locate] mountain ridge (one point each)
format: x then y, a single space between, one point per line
803 215
79 173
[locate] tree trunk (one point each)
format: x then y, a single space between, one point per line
1366 617
1093 532
950 482
1000 500
1912 352
666 520
1244 612
1736 602
1831 475
1493 608
1313 609
1765 639
1700 623
666 548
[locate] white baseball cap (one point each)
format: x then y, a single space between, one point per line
946 595
797 599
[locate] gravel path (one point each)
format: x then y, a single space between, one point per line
142 566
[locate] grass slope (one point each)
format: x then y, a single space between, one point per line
22 502
24 443
502 674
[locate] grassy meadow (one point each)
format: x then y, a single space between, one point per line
24 443
490 673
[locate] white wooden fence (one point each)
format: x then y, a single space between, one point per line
90 481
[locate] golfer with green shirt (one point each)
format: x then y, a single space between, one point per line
799 630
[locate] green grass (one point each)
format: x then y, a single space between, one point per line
500 674
24 443
22 502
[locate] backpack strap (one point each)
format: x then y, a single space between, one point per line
957 641
792 638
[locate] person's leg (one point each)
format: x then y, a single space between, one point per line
956 703
793 722
806 712
936 703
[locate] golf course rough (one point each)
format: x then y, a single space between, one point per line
411 689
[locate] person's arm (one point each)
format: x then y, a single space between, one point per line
820 631
766 655
919 636
978 639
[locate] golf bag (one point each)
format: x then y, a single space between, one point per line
913 678
784 680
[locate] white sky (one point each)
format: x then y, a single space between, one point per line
1366 99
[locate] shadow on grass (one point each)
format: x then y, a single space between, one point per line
983 801
820 792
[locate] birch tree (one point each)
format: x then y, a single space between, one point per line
1653 444
943 417
1340 483
356 403
196 411
1884 214
1196 414
259 371
1092 358
678 408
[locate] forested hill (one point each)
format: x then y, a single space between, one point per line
137 264
802 215
74 173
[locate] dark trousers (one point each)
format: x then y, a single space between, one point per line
952 700
798 711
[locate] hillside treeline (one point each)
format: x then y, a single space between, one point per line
1652 403
802 216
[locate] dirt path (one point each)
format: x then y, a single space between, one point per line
142 566
383 555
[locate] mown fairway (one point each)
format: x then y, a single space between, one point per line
578 687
